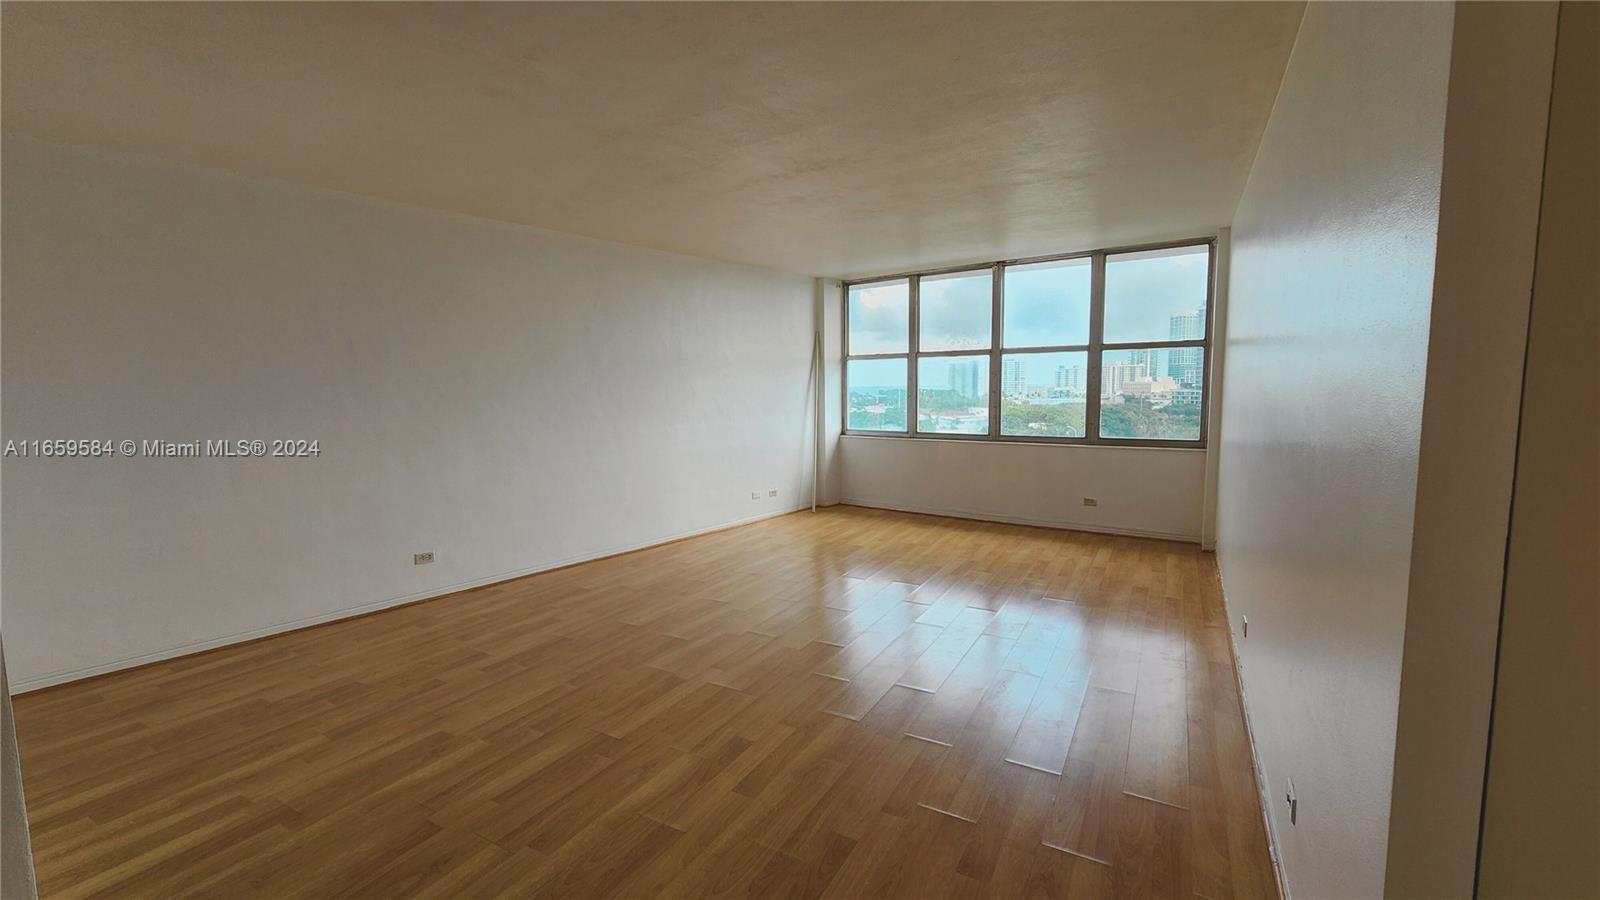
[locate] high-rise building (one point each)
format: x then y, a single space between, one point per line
1069 378
1187 364
1189 326
964 378
1114 375
1149 362
1013 378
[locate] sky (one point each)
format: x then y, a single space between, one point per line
1144 291
1046 304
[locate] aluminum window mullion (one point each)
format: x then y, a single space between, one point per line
844 350
877 355
997 305
1159 245
1048 258
1205 352
1156 345
1097 320
1055 348
1210 242
1034 351
913 345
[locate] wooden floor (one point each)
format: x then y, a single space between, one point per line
851 703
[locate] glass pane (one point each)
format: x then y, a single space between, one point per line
953 394
1042 394
1047 304
955 312
1157 295
1145 394
880 318
877 394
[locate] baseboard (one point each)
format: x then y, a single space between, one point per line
53 679
1021 520
1262 795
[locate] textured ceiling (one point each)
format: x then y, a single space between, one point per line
828 139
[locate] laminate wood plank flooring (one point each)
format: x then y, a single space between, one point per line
847 703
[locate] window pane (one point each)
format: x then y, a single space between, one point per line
877 394
1042 394
1047 304
953 394
1144 394
1157 295
880 318
955 312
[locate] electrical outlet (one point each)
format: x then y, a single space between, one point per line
1293 803
1090 501
1245 624
421 559
772 492
755 495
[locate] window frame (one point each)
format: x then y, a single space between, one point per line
997 351
906 355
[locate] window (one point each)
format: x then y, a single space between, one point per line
953 311
1155 298
1047 304
880 317
953 394
1043 394
1101 347
1140 398
880 350
877 394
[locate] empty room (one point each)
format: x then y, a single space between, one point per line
803 450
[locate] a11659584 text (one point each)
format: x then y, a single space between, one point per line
148 448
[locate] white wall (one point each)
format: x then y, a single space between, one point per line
1495 124
508 398
1327 332
1217 397
829 314
16 848
1149 491
1542 802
